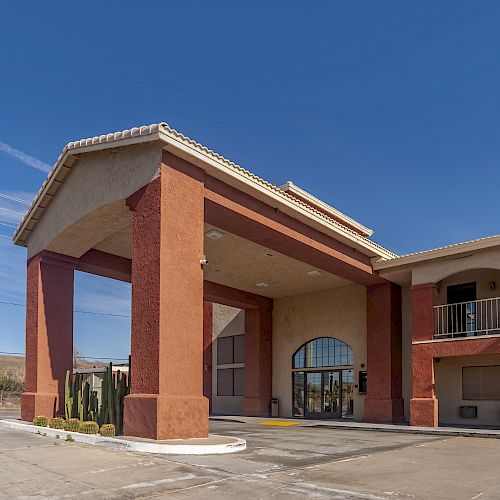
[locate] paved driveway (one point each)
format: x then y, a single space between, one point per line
280 462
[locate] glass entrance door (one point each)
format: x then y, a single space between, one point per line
313 394
324 393
331 394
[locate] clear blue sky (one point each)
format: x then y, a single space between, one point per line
388 110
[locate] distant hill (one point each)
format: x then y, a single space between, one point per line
12 365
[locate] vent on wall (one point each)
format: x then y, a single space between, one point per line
468 412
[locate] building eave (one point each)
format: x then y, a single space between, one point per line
436 253
214 163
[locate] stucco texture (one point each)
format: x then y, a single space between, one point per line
448 375
227 321
96 180
339 313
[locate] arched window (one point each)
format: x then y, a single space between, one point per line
323 352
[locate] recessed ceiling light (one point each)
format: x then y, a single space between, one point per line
314 272
261 284
213 234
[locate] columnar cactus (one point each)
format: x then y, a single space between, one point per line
56 423
83 404
68 396
89 427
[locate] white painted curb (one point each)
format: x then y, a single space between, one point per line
237 444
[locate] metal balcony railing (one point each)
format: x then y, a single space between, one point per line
467 319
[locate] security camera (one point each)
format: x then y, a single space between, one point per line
204 262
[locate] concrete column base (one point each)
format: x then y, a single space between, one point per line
424 412
165 417
256 407
37 403
384 411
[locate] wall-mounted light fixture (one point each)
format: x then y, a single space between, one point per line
492 286
314 272
213 234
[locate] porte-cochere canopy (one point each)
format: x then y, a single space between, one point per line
323 352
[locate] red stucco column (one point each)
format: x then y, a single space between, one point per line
207 351
423 405
384 402
166 400
258 361
49 333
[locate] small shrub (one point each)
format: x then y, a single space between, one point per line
107 430
56 423
41 421
69 437
71 424
89 427
57 436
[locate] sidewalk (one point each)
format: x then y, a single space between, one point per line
365 426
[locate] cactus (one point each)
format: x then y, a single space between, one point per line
107 430
71 424
85 401
89 427
84 404
56 423
41 421
93 410
68 398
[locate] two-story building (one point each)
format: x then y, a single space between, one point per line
243 291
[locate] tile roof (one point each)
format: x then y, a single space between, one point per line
454 248
162 131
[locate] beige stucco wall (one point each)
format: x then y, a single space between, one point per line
448 372
435 270
96 181
338 312
482 277
226 321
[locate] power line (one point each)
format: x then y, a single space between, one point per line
75 310
76 357
6 225
14 198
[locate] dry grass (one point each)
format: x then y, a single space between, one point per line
13 366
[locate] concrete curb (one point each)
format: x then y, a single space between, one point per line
440 431
170 448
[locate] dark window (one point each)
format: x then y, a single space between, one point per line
230 381
462 309
231 350
225 382
239 348
238 381
481 383
225 351
325 351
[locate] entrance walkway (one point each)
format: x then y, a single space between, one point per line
299 461
444 431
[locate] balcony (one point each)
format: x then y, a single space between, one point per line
467 319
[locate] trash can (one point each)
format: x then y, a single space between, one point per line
275 407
